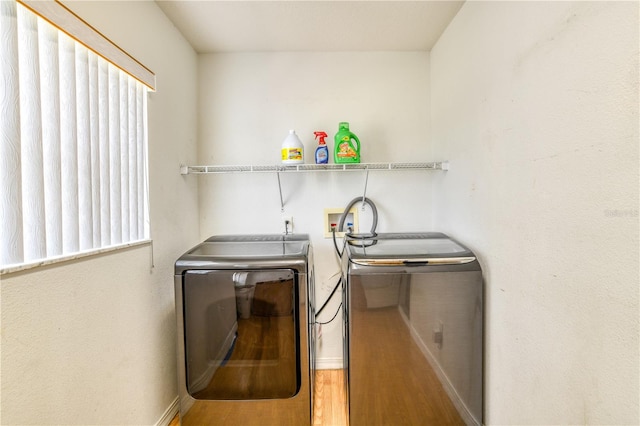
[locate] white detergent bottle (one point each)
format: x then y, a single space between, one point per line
292 149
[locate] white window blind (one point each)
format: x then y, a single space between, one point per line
73 153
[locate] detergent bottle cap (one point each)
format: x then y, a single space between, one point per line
321 135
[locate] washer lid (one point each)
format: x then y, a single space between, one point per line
249 249
408 249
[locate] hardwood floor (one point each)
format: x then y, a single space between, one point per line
263 363
329 399
391 381
329 404
175 421
260 366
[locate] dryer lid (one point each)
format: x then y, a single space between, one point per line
245 249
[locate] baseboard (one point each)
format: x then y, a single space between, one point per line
169 414
334 363
448 387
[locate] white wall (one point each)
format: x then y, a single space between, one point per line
536 106
93 341
247 104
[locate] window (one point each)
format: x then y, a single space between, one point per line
73 141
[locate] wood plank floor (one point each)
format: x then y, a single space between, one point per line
329 406
384 375
329 403
392 382
263 363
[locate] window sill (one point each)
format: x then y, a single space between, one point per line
9 269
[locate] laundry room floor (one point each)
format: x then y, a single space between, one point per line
329 400
405 365
392 383
262 364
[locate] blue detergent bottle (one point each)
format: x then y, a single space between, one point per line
322 152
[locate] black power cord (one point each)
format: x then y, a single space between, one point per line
324 305
339 253
334 316
335 288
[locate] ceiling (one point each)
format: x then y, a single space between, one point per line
321 25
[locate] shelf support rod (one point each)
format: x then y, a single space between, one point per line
280 190
366 182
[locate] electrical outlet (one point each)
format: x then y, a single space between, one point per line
438 335
287 221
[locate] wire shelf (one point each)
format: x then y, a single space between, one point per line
187 170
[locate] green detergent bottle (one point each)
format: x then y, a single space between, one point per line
347 146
